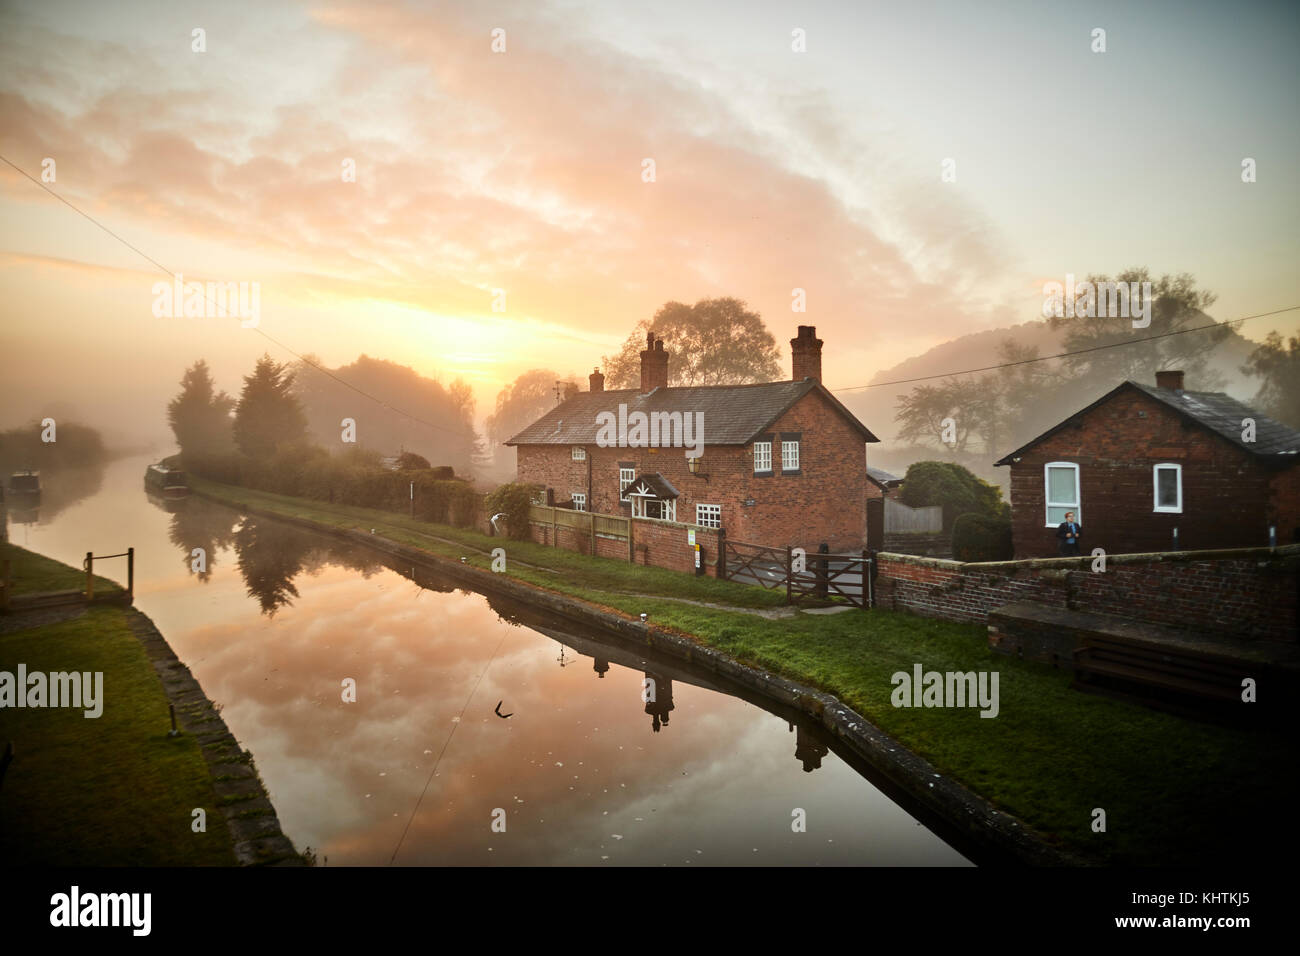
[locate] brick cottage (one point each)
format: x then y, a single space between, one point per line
780 463
1140 462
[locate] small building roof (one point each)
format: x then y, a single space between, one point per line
882 479
733 414
652 485
1215 411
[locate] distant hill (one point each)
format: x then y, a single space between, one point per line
876 406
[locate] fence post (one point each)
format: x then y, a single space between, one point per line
722 553
130 575
867 568
789 564
631 553
555 535
591 520
90 575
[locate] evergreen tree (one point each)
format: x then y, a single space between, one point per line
200 415
269 416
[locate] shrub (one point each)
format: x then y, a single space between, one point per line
977 537
353 477
953 487
514 499
410 461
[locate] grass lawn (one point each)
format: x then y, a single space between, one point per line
108 791
1175 791
33 573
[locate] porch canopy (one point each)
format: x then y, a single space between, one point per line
653 496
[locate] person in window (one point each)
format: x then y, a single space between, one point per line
1067 535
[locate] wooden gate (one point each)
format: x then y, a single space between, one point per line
816 574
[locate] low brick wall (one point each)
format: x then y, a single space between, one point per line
660 544
1245 593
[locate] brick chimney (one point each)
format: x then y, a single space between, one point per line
806 354
654 364
1170 380
597 380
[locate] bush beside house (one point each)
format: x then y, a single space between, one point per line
977 537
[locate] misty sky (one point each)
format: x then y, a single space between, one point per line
523 171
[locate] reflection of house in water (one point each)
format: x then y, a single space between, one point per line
660 703
807 748
600 667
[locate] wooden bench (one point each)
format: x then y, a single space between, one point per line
1173 678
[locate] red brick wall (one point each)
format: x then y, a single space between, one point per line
825 501
1229 497
660 544
1251 596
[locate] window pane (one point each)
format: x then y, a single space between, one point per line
1167 487
1057 515
1060 486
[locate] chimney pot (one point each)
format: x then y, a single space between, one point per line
806 354
1172 380
654 365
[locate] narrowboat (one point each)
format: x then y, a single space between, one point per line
25 488
166 482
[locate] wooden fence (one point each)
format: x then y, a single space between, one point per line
588 524
899 518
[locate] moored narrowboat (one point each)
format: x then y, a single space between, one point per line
166 482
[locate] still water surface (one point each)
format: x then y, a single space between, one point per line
585 771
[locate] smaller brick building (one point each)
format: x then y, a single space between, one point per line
781 463
1142 462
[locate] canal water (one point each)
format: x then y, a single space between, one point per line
416 771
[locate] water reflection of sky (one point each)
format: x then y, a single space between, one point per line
581 774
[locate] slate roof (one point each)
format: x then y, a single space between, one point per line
882 478
733 414
1216 411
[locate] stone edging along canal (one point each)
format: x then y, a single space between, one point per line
242 799
1001 836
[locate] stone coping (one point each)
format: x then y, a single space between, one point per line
1084 562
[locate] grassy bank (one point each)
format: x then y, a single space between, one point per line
1174 791
32 573
108 791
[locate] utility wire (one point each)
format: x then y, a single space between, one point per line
259 331
849 388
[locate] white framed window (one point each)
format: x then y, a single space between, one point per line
789 456
579 501
625 477
579 453
1061 491
708 516
656 508
1168 486
762 456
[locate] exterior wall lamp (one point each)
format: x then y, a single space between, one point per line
694 465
